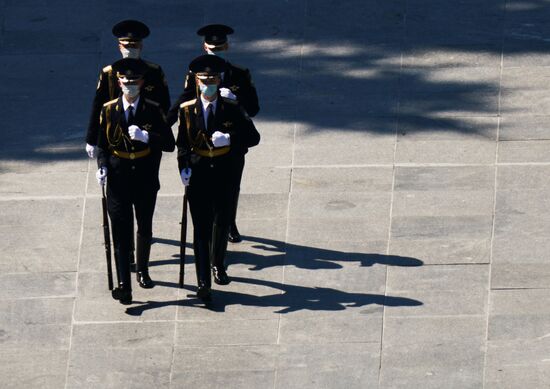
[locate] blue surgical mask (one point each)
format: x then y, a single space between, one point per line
130 52
130 90
220 53
208 90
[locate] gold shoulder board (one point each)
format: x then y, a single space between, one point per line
107 69
152 102
110 102
188 103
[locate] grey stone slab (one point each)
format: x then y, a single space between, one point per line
16 185
514 364
53 212
454 81
523 128
439 203
270 155
422 128
522 94
373 206
229 379
446 151
438 303
438 278
273 130
441 227
345 273
51 71
137 336
305 230
463 101
342 179
314 107
519 314
446 364
25 42
521 248
266 180
524 151
16 165
515 55
444 251
520 275
353 365
523 178
450 56
444 178
227 333
120 367
348 149
36 324
235 359
321 330
23 368
33 285
521 213
95 304
435 330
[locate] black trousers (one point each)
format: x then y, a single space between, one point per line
123 198
238 164
211 195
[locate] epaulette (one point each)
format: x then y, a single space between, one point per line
230 101
107 68
152 65
242 69
110 102
188 103
152 102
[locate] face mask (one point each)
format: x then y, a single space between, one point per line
208 90
130 52
130 90
220 53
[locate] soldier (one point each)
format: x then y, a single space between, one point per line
130 34
133 134
214 133
236 83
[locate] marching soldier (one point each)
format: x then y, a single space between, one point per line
213 135
133 134
236 83
130 34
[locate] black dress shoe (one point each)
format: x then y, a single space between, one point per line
234 236
203 293
123 295
144 280
220 276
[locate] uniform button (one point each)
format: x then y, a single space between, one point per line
211 165
133 168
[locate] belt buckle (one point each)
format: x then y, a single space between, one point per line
132 155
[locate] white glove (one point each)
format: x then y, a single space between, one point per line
220 139
226 92
185 176
101 175
138 134
90 150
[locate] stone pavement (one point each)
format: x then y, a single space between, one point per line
396 213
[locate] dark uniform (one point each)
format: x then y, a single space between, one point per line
132 176
155 87
234 78
211 189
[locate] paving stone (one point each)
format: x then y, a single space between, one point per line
524 151
341 179
444 178
33 285
519 314
32 367
524 94
443 203
354 365
457 55
228 379
40 324
523 128
227 332
521 363
444 251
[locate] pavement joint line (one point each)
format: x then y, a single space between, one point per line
80 241
495 192
520 288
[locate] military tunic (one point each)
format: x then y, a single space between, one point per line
132 171
154 88
211 189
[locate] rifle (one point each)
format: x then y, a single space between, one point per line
107 237
183 238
